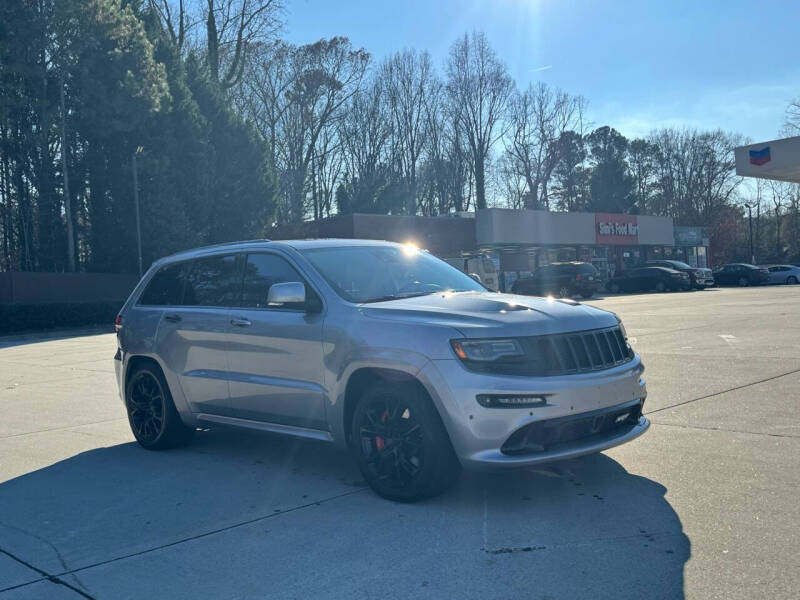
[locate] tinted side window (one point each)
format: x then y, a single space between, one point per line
261 272
587 269
213 281
166 286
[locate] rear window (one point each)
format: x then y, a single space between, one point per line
587 269
166 286
213 281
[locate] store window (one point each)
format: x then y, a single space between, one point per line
691 256
702 258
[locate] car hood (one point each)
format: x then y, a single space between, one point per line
488 314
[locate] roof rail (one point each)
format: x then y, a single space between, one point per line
220 245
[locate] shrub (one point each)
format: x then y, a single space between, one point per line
19 318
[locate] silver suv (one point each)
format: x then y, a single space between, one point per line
380 347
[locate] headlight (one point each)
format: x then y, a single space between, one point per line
486 350
623 330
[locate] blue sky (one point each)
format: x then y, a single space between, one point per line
707 64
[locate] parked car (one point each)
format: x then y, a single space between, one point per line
741 274
480 267
789 274
379 347
645 279
699 277
563 280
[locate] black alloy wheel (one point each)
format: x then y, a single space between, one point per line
146 407
400 444
613 288
743 282
791 280
563 292
660 287
152 415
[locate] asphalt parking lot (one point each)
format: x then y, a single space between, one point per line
705 505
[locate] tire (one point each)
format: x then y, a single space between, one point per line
660 287
563 292
743 282
400 444
791 280
614 288
587 295
152 415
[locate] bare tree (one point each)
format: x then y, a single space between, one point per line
324 77
781 198
232 28
641 161
479 86
409 80
447 153
718 179
792 122
538 117
327 166
364 131
263 94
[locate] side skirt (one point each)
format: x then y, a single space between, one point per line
303 432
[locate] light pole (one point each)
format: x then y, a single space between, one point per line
136 205
750 213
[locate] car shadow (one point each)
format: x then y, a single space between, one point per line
580 528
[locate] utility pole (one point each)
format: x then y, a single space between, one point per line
67 199
750 213
136 204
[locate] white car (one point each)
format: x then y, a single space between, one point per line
789 274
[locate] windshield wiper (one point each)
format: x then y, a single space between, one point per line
397 297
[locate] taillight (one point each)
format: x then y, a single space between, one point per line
118 323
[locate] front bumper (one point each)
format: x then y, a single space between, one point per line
478 433
702 281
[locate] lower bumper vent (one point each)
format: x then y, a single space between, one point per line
544 435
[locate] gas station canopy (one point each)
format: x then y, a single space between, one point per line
778 159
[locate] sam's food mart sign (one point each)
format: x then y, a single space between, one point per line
616 229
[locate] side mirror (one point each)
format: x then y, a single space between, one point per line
291 292
476 277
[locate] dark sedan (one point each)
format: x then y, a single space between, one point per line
741 274
699 277
560 279
645 279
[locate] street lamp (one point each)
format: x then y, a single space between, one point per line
136 205
750 212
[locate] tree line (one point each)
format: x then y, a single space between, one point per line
230 130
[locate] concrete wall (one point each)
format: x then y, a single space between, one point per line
441 235
49 288
499 226
655 231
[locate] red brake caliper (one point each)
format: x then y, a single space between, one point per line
379 441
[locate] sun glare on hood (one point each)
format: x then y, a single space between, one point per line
410 249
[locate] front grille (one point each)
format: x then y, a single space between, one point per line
546 435
563 354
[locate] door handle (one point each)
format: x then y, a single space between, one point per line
241 322
172 318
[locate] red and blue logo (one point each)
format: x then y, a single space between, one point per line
760 157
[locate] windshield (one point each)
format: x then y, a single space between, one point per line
681 265
377 273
